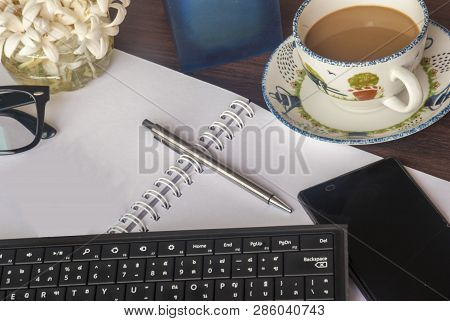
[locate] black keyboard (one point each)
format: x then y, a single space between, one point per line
274 263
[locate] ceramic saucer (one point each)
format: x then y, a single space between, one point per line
296 101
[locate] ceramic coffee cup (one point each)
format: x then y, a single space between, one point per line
370 85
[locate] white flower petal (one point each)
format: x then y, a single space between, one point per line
103 5
29 13
45 13
94 48
27 41
80 29
81 49
50 50
13 23
111 31
51 68
120 15
104 44
11 44
67 16
125 3
58 31
27 51
33 34
41 25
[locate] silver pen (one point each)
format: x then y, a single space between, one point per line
182 147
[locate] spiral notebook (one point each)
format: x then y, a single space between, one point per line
99 173
147 209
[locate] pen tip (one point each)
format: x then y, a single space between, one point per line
274 200
147 123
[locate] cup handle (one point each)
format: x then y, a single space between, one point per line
412 86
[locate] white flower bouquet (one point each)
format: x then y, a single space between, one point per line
61 43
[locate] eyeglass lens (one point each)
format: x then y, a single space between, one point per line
16 129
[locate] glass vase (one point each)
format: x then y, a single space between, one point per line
71 72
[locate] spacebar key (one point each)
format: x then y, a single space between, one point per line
308 263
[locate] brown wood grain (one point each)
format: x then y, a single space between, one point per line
146 33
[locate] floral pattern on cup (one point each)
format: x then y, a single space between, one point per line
364 86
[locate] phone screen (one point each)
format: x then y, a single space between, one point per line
399 244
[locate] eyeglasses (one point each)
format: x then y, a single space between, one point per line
22 111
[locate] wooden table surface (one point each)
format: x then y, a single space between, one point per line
146 33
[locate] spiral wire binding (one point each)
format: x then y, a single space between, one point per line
162 199
218 124
186 178
213 139
144 211
173 187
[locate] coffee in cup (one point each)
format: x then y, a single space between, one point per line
362 53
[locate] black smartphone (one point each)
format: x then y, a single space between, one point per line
398 242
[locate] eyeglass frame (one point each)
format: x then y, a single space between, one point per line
41 95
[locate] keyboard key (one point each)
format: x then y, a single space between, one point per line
270 264
140 292
217 267
204 247
87 253
285 243
229 290
30 256
257 244
21 295
228 246
115 251
74 273
258 289
244 266
103 272
110 292
159 269
131 271
308 262
7 257
58 254
80 293
143 250
51 294
169 291
290 288
188 268
316 242
319 288
199 291
15 277
175 248
258 265
44 275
